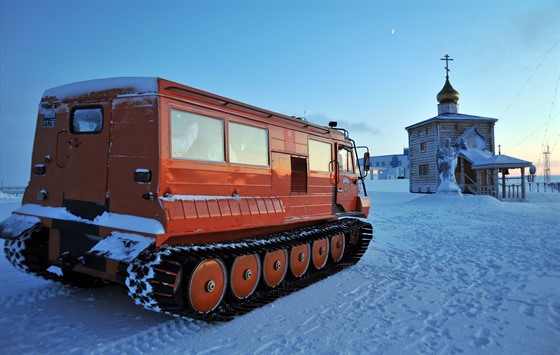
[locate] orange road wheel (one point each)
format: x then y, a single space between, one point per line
320 253
244 276
299 260
274 267
207 285
337 247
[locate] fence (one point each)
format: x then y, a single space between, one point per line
12 190
545 187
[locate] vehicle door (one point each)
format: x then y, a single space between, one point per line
346 182
82 155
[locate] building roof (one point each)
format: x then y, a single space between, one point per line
475 156
501 161
453 117
484 159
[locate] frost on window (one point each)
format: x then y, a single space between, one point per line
196 137
248 145
87 120
319 156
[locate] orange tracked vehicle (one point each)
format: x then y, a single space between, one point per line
200 205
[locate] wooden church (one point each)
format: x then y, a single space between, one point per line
478 166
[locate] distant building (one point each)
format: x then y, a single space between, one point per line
389 166
473 136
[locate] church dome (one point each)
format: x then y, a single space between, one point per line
448 94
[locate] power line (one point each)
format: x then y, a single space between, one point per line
529 79
526 137
550 113
555 142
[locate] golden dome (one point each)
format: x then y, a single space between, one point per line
448 94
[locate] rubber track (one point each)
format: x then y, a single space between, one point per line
169 303
22 253
27 253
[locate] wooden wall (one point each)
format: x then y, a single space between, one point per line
454 129
427 134
433 134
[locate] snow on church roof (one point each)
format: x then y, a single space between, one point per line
475 156
484 159
501 161
453 117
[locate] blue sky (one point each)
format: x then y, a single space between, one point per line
374 66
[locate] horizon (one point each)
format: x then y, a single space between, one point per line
375 67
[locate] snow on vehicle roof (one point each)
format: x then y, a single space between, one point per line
134 85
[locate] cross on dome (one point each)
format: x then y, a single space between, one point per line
447 60
448 96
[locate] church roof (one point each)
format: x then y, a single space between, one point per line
475 155
484 159
501 161
453 117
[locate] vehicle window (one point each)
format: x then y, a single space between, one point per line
248 145
196 137
87 120
345 161
320 156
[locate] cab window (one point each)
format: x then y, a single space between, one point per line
345 161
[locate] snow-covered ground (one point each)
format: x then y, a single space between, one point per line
466 274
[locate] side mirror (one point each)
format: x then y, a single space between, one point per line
366 161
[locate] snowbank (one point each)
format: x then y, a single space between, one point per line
5 196
398 185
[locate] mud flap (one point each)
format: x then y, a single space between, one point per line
16 225
123 247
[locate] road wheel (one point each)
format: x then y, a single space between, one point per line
244 276
207 285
